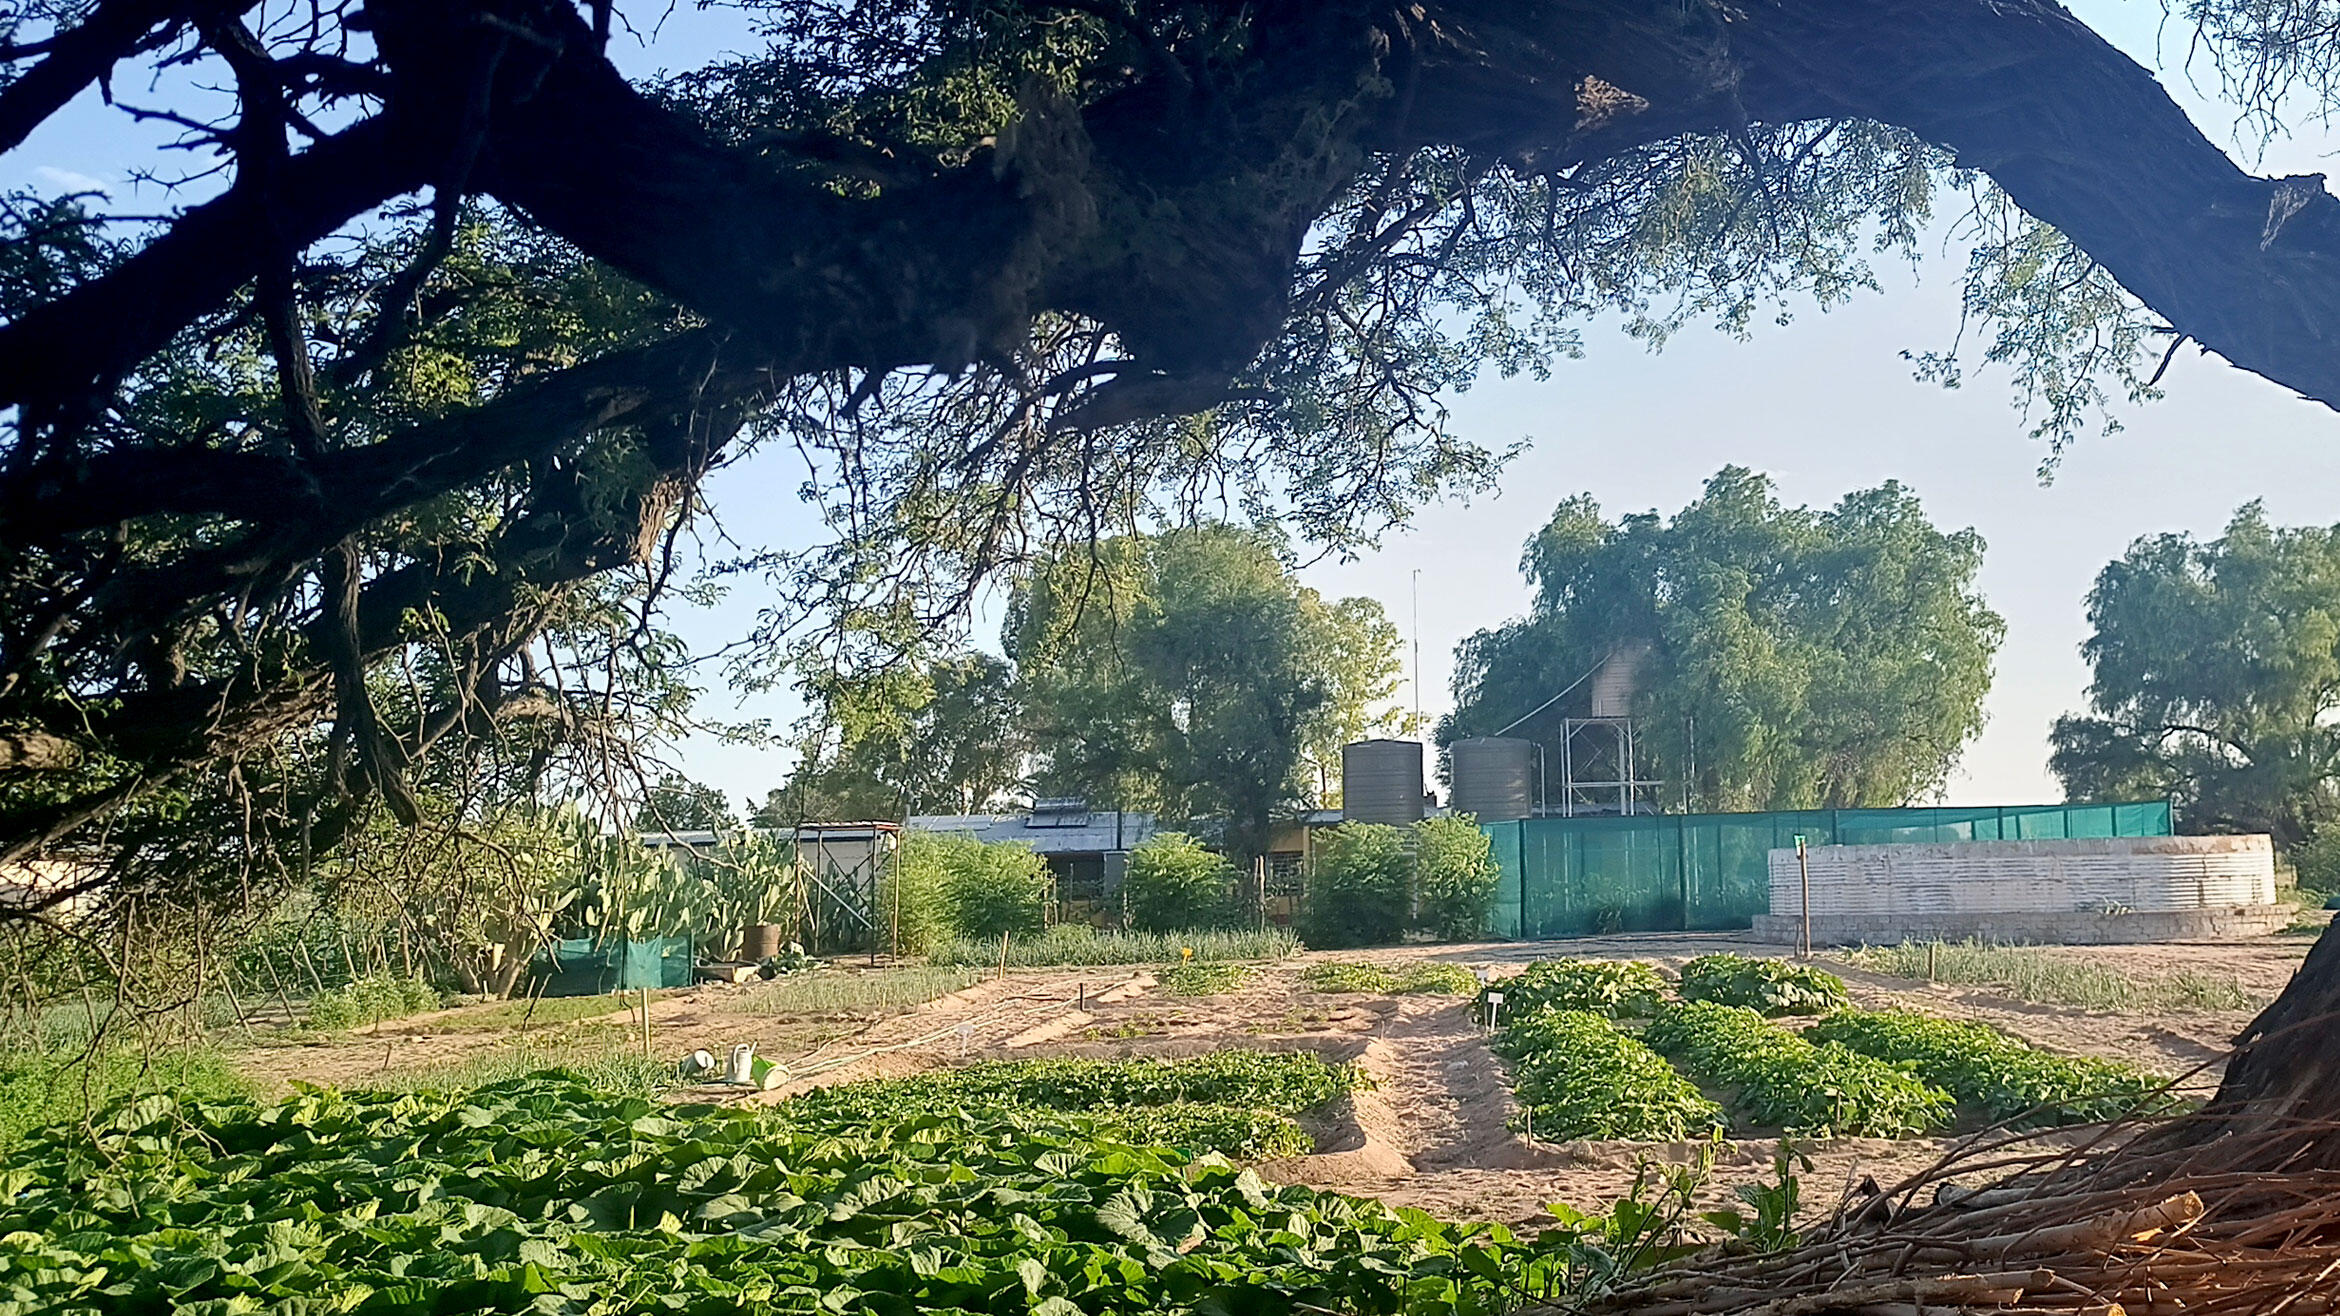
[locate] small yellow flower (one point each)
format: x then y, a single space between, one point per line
1185 953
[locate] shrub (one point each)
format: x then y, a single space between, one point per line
2053 979
370 999
1613 989
953 884
2000 1076
1358 887
1768 987
1579 1077
1420 978
1782 1080
1454 877
1174 884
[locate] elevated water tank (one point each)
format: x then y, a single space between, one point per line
1381 781
1494 777
1618 681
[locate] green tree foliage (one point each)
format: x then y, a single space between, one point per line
1190 674
914 896
1454 877
942 736
2215 680
1174 884
1794 658
675 803
1358 887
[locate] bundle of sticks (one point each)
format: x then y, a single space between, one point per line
2142 1225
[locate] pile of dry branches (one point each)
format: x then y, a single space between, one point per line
2152 1222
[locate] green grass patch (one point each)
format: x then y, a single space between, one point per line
833 992
1999 1076
2049 979
62 1085
540 1012
1203 977
1420 978
1073 944
1781 1080
1579 1077
543 1194
1613 989
1768 987
1237 1103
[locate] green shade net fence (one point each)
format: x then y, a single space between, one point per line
1574 877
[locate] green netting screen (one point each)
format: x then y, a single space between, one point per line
1573 877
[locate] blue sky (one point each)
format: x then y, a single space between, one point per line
1825 405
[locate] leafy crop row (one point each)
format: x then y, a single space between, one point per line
541 1195
1237 1103
1203 977
1579 1077
1422 977
1996 1074
1614 989
1778 1078
370 1000
1768 987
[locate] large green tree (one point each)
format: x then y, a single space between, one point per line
1189 673
944 735
2215 680
1795 658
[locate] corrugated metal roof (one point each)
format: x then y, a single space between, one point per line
1095 836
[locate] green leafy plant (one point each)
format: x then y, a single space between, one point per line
368 1000
543 1194
1770 987
1579 1077
1174 884
1357 887
1615 989
2001 1077
1454 877
1203 977
1422 977
1779 1079
791 959
913 895
1771 1226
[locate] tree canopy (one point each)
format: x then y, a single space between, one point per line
1188 673
2215 680
942 735
451 317
1794 658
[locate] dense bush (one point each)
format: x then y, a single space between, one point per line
1419 978
1784 1081
370 999
951 884
1358 887
1454 877
914 896
1174 884
1614 989
2000 1076
1579 1077
1770 987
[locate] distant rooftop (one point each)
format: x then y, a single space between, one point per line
1090 831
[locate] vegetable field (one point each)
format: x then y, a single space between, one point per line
541 1195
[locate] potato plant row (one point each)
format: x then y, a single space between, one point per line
1780 1079
1578 1076
2000 1077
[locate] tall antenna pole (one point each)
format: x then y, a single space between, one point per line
1418 652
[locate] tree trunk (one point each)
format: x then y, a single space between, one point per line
2279 1105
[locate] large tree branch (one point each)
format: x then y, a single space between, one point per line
78 57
